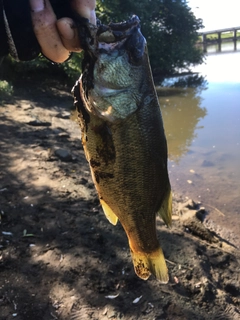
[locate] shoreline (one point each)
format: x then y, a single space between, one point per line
59 255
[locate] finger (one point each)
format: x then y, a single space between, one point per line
86 8
68 34
44 25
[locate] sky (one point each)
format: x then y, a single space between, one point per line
216 14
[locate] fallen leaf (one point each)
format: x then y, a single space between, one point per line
112 296
5 233
137 299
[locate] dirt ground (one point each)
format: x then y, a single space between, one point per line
59 256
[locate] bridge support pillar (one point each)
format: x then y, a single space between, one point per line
235 39
204 43
219 41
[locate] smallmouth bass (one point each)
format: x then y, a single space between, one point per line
123 138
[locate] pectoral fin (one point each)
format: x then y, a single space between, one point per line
109 213
165 211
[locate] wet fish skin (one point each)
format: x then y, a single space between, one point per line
124 141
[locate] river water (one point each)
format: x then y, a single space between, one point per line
202 125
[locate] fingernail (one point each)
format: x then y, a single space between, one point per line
37 5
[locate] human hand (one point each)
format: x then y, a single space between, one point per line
57 38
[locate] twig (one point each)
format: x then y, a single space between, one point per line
220 212
174 264
53 315
171 262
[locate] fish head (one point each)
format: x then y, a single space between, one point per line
117 69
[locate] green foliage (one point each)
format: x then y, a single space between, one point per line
169 26
41 67
6 89
73 67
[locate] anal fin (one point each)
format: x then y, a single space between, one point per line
165 211
109 213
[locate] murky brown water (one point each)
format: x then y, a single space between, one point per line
203 131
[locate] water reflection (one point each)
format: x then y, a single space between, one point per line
206 122
182 111
225 47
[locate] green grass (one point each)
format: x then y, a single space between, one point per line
224 35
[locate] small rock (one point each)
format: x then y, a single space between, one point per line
83 181
27 107
64 115
38 123
63 155
105 311
111 313
90 185
63 135
190 204
207 163
200 214
56 131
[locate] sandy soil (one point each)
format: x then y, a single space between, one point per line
59 256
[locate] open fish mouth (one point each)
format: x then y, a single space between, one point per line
114 59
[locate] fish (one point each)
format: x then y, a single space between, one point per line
123 138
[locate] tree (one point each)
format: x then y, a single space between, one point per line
169 26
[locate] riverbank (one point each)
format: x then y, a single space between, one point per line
59 256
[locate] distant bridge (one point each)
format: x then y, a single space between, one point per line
219 36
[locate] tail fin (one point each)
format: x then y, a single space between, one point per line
151 263
165 211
